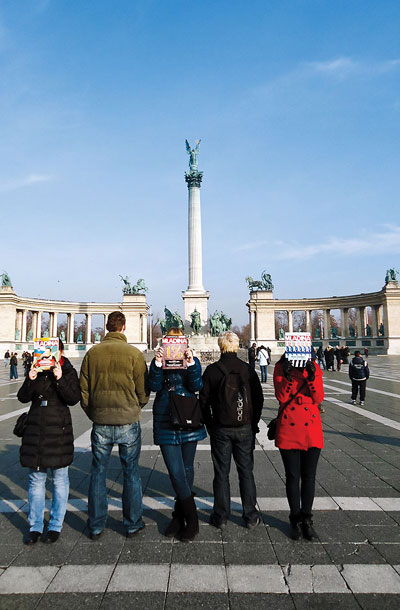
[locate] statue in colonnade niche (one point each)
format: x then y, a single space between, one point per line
97 337
29 336
264 284
281 334
352 331
318 333
381 329
391 275
5 279
62 336
17 334
368 330
334 332
196 322
79 338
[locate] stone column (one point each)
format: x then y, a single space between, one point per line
23 331
39 325
360 311
252 327
55 325
308 321
374 321
88 328
344 322
71 324
327 324
18 326
34 323
290 321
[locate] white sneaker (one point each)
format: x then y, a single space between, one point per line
362 403
353 402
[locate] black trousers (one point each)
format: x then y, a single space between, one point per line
300 469
239 444
355 384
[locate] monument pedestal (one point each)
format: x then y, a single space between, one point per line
195 299
135 309
203 343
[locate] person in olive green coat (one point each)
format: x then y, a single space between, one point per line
114 389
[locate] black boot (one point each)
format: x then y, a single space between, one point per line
307 527
192 522
295 521
178 523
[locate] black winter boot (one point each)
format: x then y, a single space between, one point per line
192 522
178 522
295 521
307 527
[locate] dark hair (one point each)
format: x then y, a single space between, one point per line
61 345
357 353
115 321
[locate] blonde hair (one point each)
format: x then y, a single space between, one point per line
175 332
228 342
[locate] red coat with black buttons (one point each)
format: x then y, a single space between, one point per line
299 424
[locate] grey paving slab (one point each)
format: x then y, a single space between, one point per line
390 552
67 601
98 552
147 552
381 533
197 601
261 601
301 552
256 579
198 552
83 578
348 552
19 602
327 601
248 553
299 578
27 579
327 579
198 579
139 577
123 600
378 601
371 579
8 553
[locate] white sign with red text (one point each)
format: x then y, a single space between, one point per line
298 348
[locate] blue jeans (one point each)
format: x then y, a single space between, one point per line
36 498
263 370
128 439
13 372
179 460
238 442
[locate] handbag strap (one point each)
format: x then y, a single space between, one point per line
291 398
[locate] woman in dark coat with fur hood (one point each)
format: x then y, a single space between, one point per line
48 442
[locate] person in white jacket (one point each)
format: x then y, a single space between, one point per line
263 360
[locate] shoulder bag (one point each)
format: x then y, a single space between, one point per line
272 424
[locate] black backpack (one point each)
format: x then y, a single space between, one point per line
234 407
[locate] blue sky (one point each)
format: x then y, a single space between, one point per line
297 104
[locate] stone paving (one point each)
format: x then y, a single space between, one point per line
355 563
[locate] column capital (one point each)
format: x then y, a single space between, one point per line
193 178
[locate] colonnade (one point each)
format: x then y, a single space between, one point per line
21 325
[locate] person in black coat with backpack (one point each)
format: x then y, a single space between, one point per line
48 443
358 373
231 402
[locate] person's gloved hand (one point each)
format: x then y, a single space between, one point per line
310 368
287 368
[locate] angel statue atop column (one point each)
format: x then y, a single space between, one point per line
193 152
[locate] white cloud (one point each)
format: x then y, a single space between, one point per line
343 67
13 185
386 241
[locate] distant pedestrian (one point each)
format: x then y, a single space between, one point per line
252 355
231 401
321 357
113 383
329 354
338 355
14 366
263 360
358 373
366 352
7 359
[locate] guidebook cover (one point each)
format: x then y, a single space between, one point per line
46 353
298 348
174 352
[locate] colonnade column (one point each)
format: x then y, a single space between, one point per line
290 321
88 328
54 327
344 322
23 330
17 335
39 325
34 324
308 321
327 323
252 327
374 321
360 315
71 325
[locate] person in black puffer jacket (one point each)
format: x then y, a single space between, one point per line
358 373
48 442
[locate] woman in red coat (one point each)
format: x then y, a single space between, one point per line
299 438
